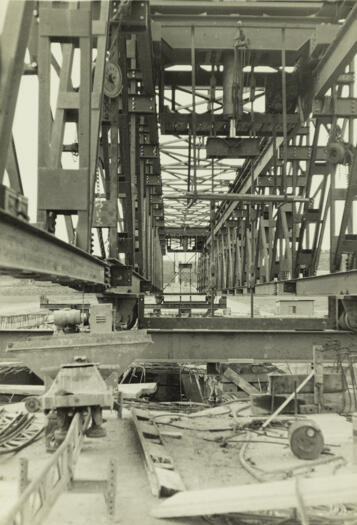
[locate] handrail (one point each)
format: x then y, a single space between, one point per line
40 495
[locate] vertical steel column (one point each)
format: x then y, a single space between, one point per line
83 231
13 43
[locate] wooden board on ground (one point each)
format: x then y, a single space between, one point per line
277 495
22 390
136 390
163 477
240 381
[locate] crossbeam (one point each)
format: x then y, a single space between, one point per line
238 197
261 345
339 283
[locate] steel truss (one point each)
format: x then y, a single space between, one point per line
175 110
98 163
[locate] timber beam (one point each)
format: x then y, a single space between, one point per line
27 251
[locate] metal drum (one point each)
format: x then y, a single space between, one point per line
306 439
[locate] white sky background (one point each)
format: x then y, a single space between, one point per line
25 130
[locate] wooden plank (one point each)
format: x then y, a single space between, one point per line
22 390
240 381
163 477
258 497
135 390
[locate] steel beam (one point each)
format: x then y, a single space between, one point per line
338 55
172 231
301 8
340 283
237 197
262 345
216 345
29 251
236 323
173 123
232 148
13 43
8 337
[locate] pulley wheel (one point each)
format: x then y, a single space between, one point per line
33 404
306 439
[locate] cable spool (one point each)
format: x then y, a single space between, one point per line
306 439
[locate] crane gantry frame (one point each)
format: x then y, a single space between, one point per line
265 89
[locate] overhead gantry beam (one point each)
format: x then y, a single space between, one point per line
27 251
237 197
304 8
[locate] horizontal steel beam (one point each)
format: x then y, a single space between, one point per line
236 323
8 337
340 283
189 231
185 344
239 197
262 345
178 305
173 123
232 148
27 251
301 8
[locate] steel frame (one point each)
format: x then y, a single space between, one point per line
281 169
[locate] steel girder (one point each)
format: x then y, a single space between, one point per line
260 345
217 345
339 54
31 252
339 283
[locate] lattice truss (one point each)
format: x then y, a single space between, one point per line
259 103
